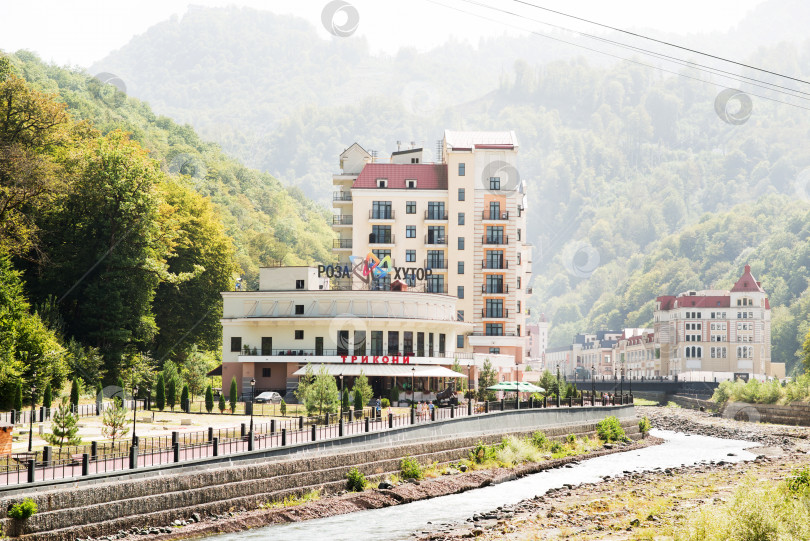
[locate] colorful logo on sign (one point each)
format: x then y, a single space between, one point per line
370 266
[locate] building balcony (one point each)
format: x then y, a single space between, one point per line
495 289
377 215
342 244
436 264
493 216
494 264
498 240
342 220
435 240
505 340
379 240
435 216
494 314
342 197
435 288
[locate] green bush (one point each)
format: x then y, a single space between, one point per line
540 440
556 447
385 403
393 396
517 451
410 468
609 430
570 438
283 408
355 481
799 481
23 510
644 425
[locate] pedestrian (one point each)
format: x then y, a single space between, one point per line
379 408
430 407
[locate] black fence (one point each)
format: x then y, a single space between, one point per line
138 452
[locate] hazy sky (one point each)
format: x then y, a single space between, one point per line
80 32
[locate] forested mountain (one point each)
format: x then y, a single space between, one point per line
622 161
118 231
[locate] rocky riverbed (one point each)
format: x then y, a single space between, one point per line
456 481
654 505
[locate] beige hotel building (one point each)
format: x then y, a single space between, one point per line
461 221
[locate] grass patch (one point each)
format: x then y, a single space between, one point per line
757 511
644 402
292 500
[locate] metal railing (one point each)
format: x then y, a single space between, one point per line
342 219
342 196
381 239
381 214
436 215
435 263
498 314
500 215
495 239
98 458
341 243
495 264
435 240
495 289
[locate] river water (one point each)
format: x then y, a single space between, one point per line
401 522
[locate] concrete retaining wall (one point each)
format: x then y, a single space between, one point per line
102 508
796 414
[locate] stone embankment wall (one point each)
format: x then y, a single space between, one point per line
683 401
100 509
796 414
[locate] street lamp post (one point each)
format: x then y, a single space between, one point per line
33 405
341 396
134 413
252 397
413 389
469 378
593 384
621 383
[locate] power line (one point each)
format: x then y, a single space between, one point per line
635 34
659 68
686 63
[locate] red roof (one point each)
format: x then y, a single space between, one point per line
669 302
747 283
428 176
666 301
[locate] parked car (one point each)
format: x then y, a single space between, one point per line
270 397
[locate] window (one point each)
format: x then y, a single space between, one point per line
494 329
435 259
236 343
461 243
518 284
410 207
518 234
410 231
393 342
436 234
460 218
299 309
265 372
495 234
494 210
430 345
494 183
460 341
382 182
407 342
299 335
461 169
410 183
460 292
460 315
461 194
461 267
495 259
435 211
518 258
495 351
299 284
435 284
380 234
381 210
410 256
494 283
420 344
442 341
494 308
376 342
